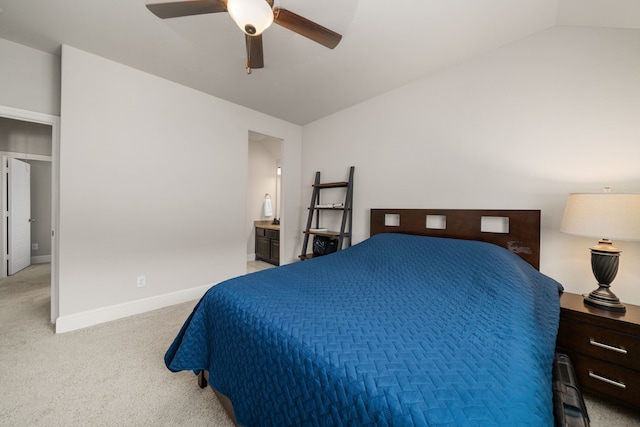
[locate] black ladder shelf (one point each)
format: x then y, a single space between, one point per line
315 207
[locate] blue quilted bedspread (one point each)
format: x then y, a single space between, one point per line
397 330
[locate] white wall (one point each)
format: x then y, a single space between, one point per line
153 181
29 79
25 137
518 128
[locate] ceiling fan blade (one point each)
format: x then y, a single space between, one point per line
255 58
187 8
306 28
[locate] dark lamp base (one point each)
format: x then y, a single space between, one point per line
604 263
604 299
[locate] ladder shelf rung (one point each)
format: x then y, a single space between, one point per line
327 209
331 185
329 233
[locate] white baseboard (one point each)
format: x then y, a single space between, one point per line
88 318
42 259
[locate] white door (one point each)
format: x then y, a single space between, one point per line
19 229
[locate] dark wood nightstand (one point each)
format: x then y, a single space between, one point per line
604 347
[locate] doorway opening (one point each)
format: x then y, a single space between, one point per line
264 197
25 191
33 138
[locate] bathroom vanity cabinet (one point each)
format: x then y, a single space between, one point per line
268 243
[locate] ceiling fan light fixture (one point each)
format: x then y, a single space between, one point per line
252 16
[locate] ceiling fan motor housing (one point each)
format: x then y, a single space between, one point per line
252 16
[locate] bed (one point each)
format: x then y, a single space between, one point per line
424 323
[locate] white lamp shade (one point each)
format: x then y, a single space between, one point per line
614 216
252 16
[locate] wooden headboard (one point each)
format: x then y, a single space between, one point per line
516 230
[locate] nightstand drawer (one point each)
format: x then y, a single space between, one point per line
603 379
607 345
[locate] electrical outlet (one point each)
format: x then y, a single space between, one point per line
34 246
141 281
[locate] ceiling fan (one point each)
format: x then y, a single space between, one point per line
253 17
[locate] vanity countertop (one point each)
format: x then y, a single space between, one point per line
266 224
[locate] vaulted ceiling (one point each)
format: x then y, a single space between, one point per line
385 44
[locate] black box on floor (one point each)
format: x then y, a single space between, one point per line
568 404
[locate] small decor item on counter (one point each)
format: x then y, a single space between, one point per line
323 245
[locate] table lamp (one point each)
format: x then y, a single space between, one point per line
605 216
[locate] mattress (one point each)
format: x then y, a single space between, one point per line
397 330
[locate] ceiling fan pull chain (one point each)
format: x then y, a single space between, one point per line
248 64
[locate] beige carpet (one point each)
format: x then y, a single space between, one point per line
113 374
108 375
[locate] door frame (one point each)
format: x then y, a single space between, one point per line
54 122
